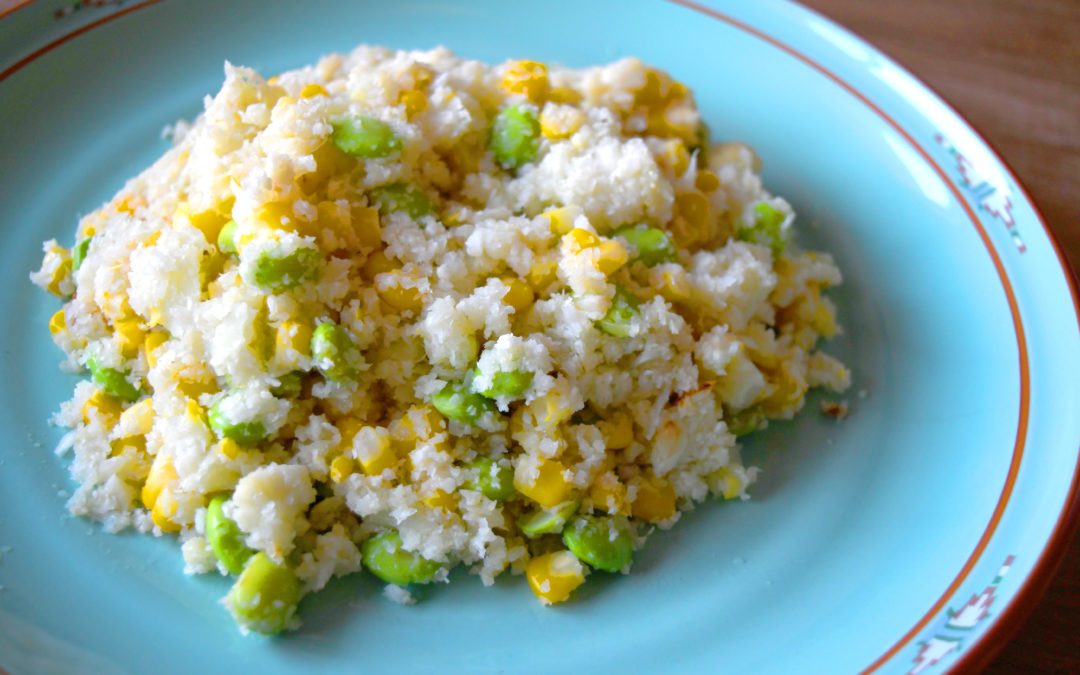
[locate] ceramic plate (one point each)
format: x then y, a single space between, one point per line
911 537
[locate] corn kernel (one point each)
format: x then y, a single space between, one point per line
58 322
560 220
618 431
194 412
312 90
526 77
163 510
608 494
554 576
101 405
553 409
674 157
675 286
374 451
707 181
519 294
150 344
550 488
130 336
732 486
376 264
341 468
398 296
542 273
194 383
365 224
655 500
136 420
228 447
567 95
162 472
292 339
280 216
560 122
610 255
415 102
577 240
441 499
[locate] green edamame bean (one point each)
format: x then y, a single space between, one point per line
290 385
384 556
78 253
334 353
515 136
265 596
112 381
548 521
225 537
495 481
654 246
766 229
402 197
616 322
365 137
602 542
247 432
226 240
745 421
458 403
279 273
507 383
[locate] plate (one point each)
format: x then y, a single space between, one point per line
911 537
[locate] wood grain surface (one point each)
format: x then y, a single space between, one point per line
1012 68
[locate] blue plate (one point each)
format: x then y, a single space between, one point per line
912 536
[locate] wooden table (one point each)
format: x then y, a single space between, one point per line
1012 68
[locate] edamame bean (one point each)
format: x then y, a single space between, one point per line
226 240
265 596
365 137
78 253
495 481
290 385
334 353
515 136
112 381
507 383
279 273
745 421
766 229
225 537
384 556
548 521
247 432
402 197
458 403
616 321
602 542
653 245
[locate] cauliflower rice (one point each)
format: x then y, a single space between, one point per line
613 379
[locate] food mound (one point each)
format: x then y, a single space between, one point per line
406 312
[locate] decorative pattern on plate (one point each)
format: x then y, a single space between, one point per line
948 635
992 195
85 4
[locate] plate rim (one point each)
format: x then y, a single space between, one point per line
1034 586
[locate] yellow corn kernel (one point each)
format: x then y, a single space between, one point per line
550 487
823 320
560 220
374 451
519 294
542 273
577 240
194 383
567 95
610 255
312 90
553 409
526 77
655 500
273 80
280 216
130 336
554 576
558 123
341 468
58 322
376 264
194 412
618 431
707 181
228 447
608 494
675 286
441 499
420 422
365 224
136 420
163 510
347 428
415 102
398 296
209 223
674 157
150 344
102 405
162 472
292 338
730 481
694 207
